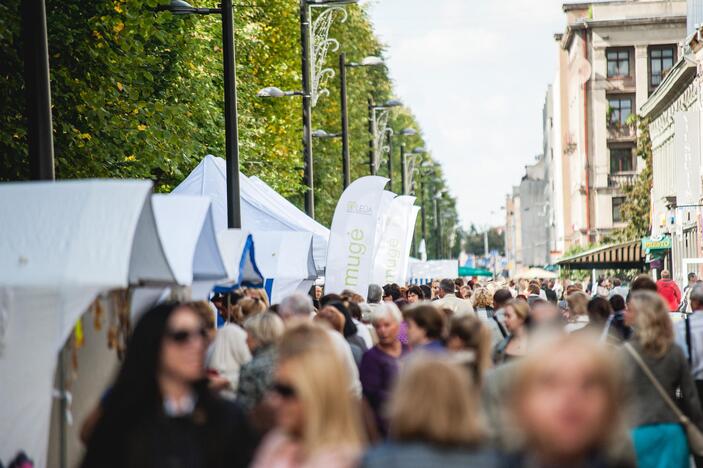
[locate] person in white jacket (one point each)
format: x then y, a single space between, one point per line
229 353
299 306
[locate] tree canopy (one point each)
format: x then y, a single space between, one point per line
139 94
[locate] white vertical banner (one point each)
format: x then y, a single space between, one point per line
353 236
409 242
386 200
389 262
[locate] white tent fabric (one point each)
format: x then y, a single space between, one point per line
62 244
424 272
237 247
261 210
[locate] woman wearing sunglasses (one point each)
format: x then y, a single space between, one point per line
317 419
159 411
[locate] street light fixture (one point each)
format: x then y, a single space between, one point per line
273 92
370 61
181 7
322 134
409 170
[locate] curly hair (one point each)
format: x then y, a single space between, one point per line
482 298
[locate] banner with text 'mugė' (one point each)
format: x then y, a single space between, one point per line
350 254
389 262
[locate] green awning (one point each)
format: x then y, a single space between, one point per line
466 271
625 256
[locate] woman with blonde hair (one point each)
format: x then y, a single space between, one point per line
566 401
483 307
578 311
656 430
251 306
470 343
317 419
515 344
258 293
434 419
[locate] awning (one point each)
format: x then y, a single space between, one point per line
625 256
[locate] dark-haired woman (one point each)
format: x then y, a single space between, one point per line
159 412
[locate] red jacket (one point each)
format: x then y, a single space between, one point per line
670 292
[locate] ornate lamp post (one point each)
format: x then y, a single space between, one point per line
315 43
378 123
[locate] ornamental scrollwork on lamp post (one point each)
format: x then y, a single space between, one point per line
380 126
321 44
410 176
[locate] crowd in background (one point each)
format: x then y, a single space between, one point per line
452 373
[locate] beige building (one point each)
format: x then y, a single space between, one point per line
612 56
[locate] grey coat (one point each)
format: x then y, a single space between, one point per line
421 455
646 405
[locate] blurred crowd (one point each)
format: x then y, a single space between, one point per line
449 374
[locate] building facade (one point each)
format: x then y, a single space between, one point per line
612 56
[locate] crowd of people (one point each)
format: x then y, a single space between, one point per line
454 373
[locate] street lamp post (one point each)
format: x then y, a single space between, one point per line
343 65
180 7
409 169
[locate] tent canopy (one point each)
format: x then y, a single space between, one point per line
624 256
262 208
536 273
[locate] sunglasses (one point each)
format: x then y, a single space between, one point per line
284 391
184 336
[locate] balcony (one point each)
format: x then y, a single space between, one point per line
618 132
621 179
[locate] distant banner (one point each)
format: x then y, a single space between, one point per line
408 243
353 236
394 247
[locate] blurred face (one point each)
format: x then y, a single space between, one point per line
387 298
544 313
318 292
566 408
387 331
629 314
435 288
284 399
416 335
465 291
512 321
413 297
183 349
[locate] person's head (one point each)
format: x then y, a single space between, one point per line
501 297
482 298
666 274
692 278
534 289
468 333
166 350
465 292
354 309
207 315
315 292
616 282
328 298
332 316
374 294
426 291
435 289
648 314
578 304
696 297
567 398
349 327
296 306
425 323
516 313
263 330
643 283
543 315
599 310
386 321
252 306
257 293
446 286
434 401
617 303
310 393
415 294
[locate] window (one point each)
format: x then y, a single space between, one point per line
661 60
621 160
618 63
617 207
619 109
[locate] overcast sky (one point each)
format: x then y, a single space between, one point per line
475 73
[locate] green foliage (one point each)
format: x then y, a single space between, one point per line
138 94
637 206
474 240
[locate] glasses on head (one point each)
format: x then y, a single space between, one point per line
285 391
184 336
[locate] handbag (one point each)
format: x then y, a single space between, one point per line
693 434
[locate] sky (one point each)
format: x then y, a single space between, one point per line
475 74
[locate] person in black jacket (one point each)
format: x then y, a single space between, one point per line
159 412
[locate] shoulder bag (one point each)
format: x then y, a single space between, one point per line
694 435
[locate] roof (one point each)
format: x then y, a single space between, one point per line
625 256
675 83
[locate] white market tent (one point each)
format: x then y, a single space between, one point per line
536 273
62 245
420 272
262 208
